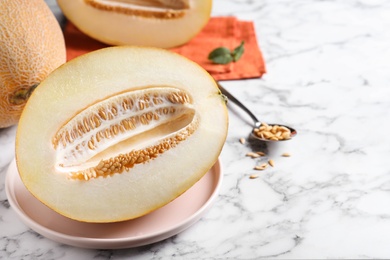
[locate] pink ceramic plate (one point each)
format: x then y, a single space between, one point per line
156 226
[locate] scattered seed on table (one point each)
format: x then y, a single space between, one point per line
253 155
261 167
271 162
242 140
286 155
253 176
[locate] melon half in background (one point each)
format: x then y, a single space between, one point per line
156 23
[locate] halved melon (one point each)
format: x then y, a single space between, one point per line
156 23
119 132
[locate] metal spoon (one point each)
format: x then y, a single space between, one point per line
257 123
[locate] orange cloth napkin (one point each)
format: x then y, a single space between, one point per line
220 31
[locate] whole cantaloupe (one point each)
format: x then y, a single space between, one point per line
31 46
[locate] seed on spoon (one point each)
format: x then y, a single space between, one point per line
274 133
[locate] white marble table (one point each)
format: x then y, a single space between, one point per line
328 75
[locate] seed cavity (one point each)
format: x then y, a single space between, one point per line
124 130
159 9
123 162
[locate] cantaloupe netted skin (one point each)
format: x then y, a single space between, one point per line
200 129
162 23
31 46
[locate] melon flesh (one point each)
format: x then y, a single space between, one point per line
119 132
156 23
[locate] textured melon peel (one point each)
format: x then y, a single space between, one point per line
179 141
157 23
31 46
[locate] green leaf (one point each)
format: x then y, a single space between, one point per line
238 51
223 59
221 55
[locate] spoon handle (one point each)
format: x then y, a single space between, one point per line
238 103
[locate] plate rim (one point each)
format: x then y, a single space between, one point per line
108 243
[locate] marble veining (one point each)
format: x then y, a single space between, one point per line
327 76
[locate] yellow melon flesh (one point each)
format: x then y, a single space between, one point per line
119 132
31 46
156 23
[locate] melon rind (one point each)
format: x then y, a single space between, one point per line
31 46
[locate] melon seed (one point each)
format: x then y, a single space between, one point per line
253 155
271 162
